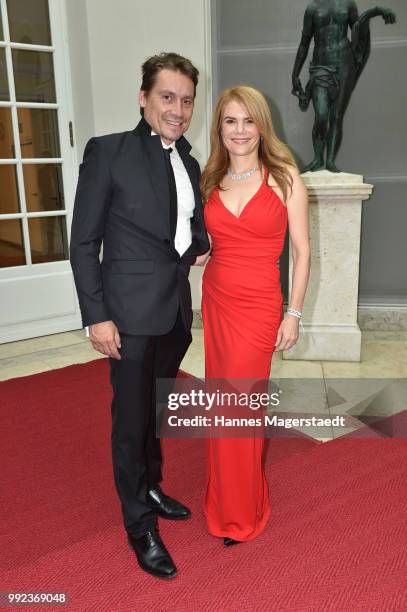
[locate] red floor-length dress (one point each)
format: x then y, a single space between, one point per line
242 310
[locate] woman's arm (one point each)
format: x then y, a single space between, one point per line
297 207
202 259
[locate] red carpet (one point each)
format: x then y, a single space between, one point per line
337 538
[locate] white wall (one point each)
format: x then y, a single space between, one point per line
120 36
78 47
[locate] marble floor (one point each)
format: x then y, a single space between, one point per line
384 355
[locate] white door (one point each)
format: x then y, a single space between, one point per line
37 294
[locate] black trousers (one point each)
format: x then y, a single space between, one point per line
136 451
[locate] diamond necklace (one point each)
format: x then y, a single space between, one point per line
244 175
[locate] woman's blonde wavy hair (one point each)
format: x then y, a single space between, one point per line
273 153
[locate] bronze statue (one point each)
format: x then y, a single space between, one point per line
336 65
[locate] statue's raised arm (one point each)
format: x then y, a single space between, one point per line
360 34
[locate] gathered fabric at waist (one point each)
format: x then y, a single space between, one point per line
248 303
243 274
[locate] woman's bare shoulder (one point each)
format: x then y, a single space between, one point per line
299 189
295 177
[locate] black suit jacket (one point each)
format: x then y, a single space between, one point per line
122 200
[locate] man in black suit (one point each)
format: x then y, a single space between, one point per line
138 193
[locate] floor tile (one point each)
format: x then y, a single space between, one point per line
27 369
194 360
23 347
295 369
69 355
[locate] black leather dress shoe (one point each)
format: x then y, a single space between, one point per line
166 506
152 555
230 541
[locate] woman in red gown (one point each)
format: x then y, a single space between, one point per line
253 191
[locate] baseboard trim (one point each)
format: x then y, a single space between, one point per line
382 318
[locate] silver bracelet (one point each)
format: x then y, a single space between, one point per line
295 313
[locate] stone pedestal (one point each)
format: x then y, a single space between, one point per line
330 329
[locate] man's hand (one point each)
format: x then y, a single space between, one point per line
202 259
105 338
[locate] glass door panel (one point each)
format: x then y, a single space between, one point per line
48 239
11 243
29 21
9 200
7 150
43 187
4 91
38 129
32 188
33 76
